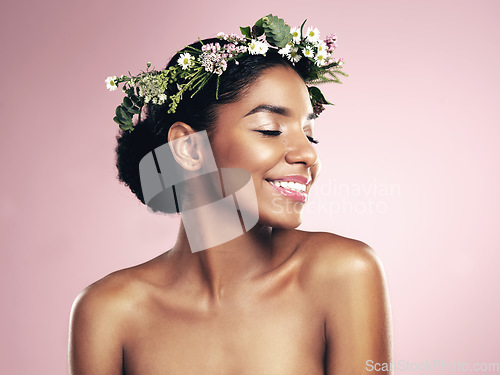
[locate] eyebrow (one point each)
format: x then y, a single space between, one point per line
276 109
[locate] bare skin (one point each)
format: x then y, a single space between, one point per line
273 301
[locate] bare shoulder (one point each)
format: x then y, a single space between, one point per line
96 327
329 258
100 310
117 293
106 296
100 316
338 270
345 281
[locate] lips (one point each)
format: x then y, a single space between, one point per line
294 187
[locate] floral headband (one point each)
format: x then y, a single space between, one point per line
196 66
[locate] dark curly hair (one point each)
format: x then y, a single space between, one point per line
200 112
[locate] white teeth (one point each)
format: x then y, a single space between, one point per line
289 185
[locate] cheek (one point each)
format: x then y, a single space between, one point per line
258 156
254 156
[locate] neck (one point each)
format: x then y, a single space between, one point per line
224 270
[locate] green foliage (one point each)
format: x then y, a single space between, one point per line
246 31
131 105
257 29
302 29
276 30
317 100
317 96
127 103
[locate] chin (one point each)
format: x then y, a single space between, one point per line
282 213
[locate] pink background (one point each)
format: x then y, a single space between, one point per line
418 114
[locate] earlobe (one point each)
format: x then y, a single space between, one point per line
185 146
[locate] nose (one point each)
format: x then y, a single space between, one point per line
300 150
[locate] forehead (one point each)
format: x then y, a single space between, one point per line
278 86
281 85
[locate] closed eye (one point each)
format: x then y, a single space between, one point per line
269 133
275 133
312 140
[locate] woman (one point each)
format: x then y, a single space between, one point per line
274 300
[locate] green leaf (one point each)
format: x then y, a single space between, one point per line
317 96
257 29
136 100
246 31
125 112
280 36
117 120
128 127
127 103
123 115
129 91
276 30
118 112
302 29
135 110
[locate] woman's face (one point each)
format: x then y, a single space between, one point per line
269 133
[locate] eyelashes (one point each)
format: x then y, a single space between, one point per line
312 140
275 133
269 133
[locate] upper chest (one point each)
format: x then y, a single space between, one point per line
281 333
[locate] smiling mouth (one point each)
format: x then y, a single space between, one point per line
290 189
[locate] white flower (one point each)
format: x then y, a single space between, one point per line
294 55
111 83
257 47
185 60
162 98
312 35
320 58
285 51
321 46
207 61
308 52
253 47
263 48
295 31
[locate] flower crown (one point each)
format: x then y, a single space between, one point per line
196 66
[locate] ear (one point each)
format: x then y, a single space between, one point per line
185 147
